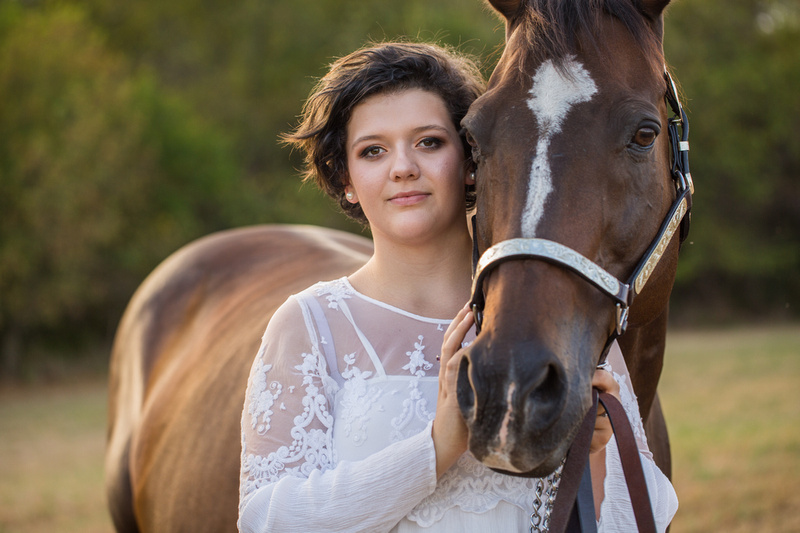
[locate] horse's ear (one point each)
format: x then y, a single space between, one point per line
507 8
653 8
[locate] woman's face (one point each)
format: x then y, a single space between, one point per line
406 166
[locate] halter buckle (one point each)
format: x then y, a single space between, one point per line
622 319
478 315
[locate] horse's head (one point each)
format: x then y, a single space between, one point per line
572 155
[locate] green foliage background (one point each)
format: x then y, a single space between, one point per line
128 129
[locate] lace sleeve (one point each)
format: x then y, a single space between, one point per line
286 423
616 511
289 477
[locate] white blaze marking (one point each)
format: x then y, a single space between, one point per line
503 435
552 96
499 456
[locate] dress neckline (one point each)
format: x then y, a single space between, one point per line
390 307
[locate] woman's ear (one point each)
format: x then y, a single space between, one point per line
350 194
470 174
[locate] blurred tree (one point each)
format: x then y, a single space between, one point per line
738 65
101 177
105 164
249 65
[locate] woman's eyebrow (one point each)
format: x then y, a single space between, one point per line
431 127
364 138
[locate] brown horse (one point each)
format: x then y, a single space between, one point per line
180 363
574 185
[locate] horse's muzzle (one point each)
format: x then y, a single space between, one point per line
515 403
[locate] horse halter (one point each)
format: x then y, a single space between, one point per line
679 215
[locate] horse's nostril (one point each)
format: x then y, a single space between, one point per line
544 398
464 390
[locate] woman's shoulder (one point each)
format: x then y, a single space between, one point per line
321 291
291 316
330 292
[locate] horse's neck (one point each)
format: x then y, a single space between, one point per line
643 349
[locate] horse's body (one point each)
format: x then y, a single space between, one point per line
180 363
554 160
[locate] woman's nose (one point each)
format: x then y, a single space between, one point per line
404 166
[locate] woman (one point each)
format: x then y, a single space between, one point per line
348 424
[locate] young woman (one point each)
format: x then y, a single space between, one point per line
350 421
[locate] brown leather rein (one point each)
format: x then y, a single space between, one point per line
573 510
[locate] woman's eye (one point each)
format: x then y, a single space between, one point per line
430 142
644 137
371 151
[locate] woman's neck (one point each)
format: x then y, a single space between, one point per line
432 281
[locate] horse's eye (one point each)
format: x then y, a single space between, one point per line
476 153
470 139
645 137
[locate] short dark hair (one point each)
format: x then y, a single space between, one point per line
374 69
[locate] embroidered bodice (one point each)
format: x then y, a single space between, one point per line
337 416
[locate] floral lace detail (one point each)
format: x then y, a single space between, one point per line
314 448
631 406
263 397
311 449
475 488
415 406
417 364
359 401
334 292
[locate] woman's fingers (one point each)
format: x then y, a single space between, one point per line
455 334
604 381
464 310
449 431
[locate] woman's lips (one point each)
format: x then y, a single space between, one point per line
408 198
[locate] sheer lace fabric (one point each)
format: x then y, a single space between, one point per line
336 429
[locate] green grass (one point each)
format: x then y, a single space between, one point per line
732 401
51 459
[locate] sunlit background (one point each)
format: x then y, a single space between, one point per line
128 129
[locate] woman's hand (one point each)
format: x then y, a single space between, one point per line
449 430
605 382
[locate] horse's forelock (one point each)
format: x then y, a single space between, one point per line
550 28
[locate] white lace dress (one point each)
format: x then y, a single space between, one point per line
336 431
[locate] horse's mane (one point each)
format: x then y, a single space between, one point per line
551 27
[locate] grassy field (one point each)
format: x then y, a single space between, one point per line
732 400
51 458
